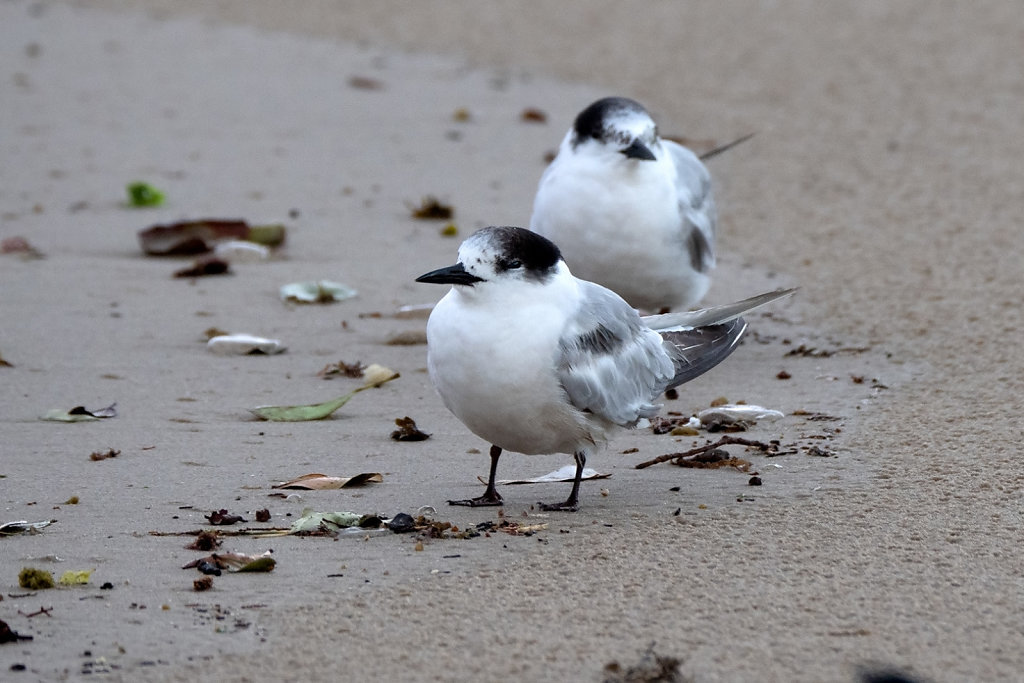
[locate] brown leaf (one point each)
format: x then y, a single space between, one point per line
365 83
342 369
190 237
205 266
432 209
534 115
97 455
407 430
9 636
206 540
19 245
223 518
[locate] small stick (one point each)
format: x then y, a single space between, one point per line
724 441
41 610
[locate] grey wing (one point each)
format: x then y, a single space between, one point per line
610 363
697 209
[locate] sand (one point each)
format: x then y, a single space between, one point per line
884 179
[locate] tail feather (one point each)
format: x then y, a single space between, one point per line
695 351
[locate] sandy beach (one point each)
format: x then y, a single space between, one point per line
883 179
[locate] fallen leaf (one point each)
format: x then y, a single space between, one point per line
316 481
80 414
75 577
210 265
19 245
232 561
316 411
223 518
324 523
316 292
431 208
533 115
365 83
9 636
199 236
407 430
99 455
260 564
205 540
341 369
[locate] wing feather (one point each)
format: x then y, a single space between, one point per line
696 205
610 363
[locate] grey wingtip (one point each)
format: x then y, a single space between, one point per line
715 314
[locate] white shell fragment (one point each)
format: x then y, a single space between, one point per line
316 292
567 473
736 413
240 251
243 344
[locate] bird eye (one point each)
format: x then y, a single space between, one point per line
512 264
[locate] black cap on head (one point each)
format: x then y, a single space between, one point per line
592 121
535 253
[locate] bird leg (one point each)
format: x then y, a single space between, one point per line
491 495
571 503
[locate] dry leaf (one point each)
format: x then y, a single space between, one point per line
365 83
223 518
407 430
318 481
80 414
431 208
342 369
99 455
200 236
210 265
534 115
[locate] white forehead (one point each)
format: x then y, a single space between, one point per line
632 122
479 247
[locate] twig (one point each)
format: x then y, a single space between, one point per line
247 531
724 441
41 610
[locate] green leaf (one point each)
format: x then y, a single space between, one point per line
316 411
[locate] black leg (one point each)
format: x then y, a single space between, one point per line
491 495
571 503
